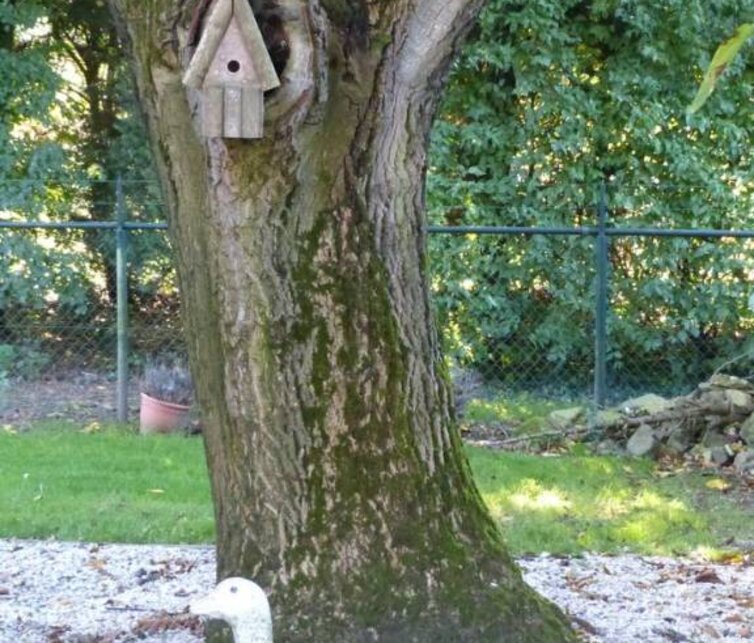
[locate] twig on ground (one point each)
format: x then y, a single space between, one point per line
568 433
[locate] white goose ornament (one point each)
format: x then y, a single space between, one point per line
243 605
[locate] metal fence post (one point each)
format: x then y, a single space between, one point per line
602 302
121 243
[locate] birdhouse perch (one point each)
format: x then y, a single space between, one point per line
232 69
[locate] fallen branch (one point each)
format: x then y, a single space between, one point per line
568 433
727 415
738 358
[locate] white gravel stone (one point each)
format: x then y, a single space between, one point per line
650 599
53 592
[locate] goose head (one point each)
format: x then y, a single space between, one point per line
243 605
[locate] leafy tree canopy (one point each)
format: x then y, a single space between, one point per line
560 95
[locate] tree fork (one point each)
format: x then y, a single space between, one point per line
339 482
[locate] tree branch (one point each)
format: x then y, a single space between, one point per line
433 33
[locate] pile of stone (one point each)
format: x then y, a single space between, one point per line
715 423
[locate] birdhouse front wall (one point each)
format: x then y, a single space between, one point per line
232 63
233 111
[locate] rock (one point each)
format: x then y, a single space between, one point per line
680 439
643 442
744 462
713 438
608 447
730 382
712 400
565 418
649 404
719 456
608 417
740 401
747 431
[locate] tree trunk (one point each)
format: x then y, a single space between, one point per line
8 32
339 482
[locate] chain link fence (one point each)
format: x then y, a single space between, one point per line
602 310
521 308
59 303
535 332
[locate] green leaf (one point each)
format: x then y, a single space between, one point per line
723 56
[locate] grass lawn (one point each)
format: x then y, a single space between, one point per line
114 485
110 485
574 503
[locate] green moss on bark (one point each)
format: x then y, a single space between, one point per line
446 591
433 579
348 15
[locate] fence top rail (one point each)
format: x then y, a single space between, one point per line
590 231
584 231
82 225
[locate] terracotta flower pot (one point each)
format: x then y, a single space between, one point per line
158 416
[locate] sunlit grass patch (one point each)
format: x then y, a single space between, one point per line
526 412
532 496
570 504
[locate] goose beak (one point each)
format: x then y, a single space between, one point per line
207 606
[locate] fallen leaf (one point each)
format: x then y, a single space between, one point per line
163 622
708 576
718 484
583 624
732 558
743 600
578 584
93 427
56 633
710 631
671 635
643 584
99 564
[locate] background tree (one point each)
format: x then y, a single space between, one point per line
70 126
548 100
338 479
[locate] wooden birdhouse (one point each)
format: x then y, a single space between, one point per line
232 69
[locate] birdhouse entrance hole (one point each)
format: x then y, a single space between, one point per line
234 66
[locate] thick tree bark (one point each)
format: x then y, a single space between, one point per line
339 482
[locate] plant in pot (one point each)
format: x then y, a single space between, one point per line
166 398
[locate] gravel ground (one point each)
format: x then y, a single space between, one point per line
52 592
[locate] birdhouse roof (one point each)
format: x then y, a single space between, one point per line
215 27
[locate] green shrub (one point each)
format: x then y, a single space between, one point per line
26 361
